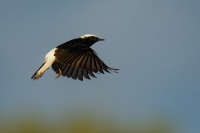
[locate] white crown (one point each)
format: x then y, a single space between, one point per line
87 35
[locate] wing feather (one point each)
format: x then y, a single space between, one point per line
104 67
84 62
80 74
69 72
99 66
78 62
88 63
85 74
74 73
93 65
91 74
65 69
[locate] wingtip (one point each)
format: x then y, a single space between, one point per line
114 70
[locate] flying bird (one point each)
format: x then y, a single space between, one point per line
74 59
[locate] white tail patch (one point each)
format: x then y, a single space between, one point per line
48 61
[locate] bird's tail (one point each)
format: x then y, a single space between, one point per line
38 74
49 59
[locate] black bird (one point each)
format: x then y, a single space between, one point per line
74 59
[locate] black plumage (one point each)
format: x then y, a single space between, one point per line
75 59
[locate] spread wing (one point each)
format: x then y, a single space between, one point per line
78 62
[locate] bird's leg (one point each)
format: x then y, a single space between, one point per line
59 73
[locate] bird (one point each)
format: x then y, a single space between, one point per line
75 59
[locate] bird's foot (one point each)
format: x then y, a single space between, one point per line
59 73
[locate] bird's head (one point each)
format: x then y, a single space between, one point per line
90 39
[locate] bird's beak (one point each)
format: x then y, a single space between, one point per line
101 39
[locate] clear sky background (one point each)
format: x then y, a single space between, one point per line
154 43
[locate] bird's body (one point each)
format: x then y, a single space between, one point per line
74 59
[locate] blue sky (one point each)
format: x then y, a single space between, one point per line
155 44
